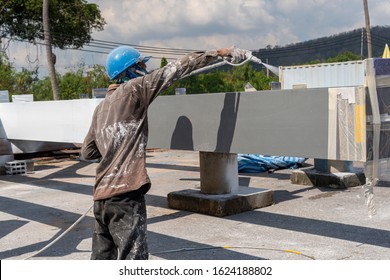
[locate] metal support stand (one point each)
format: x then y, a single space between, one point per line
220 194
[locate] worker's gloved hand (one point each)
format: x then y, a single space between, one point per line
236 54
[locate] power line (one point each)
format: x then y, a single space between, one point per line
146 47
96 51
97 46
104 44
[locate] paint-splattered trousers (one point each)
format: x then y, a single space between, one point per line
120 228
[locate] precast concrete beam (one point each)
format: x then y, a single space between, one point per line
302 123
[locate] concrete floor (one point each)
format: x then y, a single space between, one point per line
304 223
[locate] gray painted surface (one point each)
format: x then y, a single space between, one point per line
288 122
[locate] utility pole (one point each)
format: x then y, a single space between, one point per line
368 29
49 54
361 44
1 50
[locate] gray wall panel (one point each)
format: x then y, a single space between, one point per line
288 122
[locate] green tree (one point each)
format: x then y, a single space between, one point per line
24 80
240 76
97 78
163 62
341 57
7 73
69 24
345 56
72 84
41 90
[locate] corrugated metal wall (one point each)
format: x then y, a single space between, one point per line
340 74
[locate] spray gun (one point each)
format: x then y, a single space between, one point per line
248 57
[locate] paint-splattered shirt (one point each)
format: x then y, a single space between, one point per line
119 129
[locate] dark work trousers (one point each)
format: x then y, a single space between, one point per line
120 228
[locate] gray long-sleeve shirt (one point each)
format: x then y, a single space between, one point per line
119 130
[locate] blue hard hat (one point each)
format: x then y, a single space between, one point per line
121 58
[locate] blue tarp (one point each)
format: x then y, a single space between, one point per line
254 163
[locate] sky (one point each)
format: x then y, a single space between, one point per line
207 24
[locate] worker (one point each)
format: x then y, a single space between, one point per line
118 136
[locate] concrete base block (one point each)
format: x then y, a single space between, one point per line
3 171
220 205
337 180
3 160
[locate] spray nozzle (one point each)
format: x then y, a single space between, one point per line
251 57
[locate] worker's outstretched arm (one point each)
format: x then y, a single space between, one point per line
151 85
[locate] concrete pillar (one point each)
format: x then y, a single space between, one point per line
218 173
219 194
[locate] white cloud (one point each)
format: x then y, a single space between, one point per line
205 24
185 18
380 12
